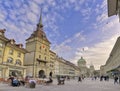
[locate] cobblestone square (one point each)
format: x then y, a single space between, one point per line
72 85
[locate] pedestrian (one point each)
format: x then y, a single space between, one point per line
116 79
11 80
101 78
15 82
79 79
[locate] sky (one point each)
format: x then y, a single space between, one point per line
75 28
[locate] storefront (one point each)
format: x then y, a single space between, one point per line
17 71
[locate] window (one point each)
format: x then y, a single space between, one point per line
45 58
40 47
45 50
18 62
39 56
43 35
0 52
1 45
10 60
1 33
19 55
11 52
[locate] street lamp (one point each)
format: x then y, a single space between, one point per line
114 8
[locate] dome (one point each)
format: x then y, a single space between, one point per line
81 60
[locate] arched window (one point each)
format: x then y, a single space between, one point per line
10 60
18 62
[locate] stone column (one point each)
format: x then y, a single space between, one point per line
5 72
24 73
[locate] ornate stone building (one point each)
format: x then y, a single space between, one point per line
38 58
11 57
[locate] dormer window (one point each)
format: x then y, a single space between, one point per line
12 41
19 45
43 35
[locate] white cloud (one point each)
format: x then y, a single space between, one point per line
79 35
26 19
40 1
98 53
31 17
102 17
67 48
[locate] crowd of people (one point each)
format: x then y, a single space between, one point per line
116 78
15 81
27 81
31 82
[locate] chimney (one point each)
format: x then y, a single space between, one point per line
19 45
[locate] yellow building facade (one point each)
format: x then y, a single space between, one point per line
52 63
12 57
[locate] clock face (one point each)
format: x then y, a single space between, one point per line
43 46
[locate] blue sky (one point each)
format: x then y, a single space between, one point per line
70 25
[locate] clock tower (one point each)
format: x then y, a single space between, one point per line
38 46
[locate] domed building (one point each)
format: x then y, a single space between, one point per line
81 62
82 66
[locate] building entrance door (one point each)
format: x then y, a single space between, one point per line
41 74
50 74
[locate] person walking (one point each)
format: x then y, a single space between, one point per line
79 79
116 79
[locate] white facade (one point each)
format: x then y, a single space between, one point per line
113 62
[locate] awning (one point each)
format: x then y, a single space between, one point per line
114 71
